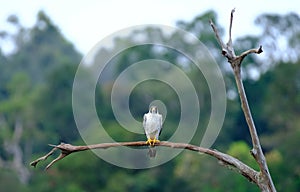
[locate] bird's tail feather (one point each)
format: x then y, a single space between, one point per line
152 152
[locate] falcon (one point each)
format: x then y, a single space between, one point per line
152 124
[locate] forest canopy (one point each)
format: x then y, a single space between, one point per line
36 81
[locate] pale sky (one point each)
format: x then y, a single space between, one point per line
84 23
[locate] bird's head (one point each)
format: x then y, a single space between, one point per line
153 109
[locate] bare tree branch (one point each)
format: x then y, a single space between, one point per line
227 160
229 44
245 53
220 41
265 181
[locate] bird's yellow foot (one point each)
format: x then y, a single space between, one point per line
155 141
149 142
152 142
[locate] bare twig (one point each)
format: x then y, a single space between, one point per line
229 44
43 158
257 51
67 149
220 41
265 181
227 50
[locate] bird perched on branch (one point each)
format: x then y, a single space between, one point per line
152 124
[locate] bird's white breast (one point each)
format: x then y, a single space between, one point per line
153 124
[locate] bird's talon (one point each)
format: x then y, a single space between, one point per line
152 142
149 142
155 141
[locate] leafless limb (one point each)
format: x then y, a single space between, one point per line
221 43
227 160
229 44
264 181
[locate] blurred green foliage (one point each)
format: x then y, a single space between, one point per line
36 82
